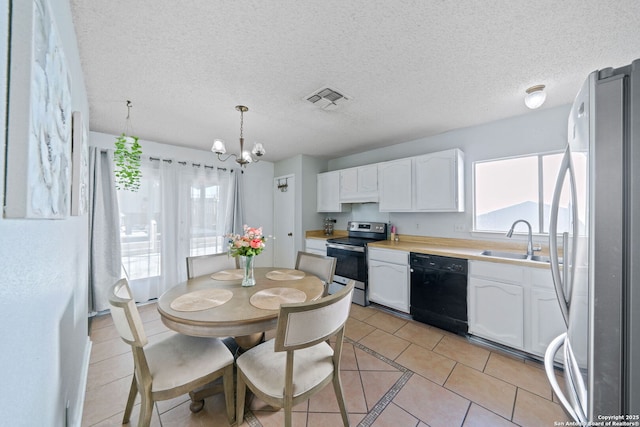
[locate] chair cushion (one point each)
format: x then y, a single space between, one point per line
179 359
265 368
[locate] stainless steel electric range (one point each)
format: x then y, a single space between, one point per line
351 255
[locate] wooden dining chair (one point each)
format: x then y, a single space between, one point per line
298 362
167 368
321 266
208 264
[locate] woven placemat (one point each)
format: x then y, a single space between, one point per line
285 274
271 299
201 300
228 274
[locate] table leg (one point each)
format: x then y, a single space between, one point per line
247 342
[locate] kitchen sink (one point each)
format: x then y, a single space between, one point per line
498 254
542 258
513 255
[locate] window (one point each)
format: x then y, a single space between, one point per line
206 237
180 210
140 222
520 188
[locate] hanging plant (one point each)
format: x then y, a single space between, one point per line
127 163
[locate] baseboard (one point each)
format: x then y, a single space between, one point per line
74 418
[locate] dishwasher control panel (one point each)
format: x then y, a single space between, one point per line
436 262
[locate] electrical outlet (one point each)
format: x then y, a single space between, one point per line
459 227
417 226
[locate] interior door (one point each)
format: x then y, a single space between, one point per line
284 220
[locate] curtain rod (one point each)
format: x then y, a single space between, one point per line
104 150
184 163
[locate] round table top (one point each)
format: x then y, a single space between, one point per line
237 316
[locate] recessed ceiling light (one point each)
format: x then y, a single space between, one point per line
535 96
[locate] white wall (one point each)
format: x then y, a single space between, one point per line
43 285
258 206
257 180
305 169
534 132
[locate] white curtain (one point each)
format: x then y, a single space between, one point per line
104 226
181 209
235 213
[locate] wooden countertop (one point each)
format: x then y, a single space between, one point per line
461 248
456 248
319 234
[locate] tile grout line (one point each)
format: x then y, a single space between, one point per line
380 406
388 397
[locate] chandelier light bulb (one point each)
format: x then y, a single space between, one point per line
246 156
258 149
218 147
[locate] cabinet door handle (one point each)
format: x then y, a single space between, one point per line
289 234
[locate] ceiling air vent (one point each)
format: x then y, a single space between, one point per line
327 98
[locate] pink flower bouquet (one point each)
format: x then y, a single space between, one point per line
251 243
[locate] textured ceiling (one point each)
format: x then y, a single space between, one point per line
412 68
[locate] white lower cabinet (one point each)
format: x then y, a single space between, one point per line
389 278
546 320
495 312
513 305
316 246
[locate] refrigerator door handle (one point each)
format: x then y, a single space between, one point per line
553 238
549 357
565 268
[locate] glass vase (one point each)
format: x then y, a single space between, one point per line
247 268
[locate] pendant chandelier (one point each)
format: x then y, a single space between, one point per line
245 156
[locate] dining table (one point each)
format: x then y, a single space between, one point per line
217 305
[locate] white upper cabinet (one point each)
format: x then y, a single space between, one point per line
328 194
395 185
428 183
359 184
439 181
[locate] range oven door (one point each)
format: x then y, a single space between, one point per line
351 263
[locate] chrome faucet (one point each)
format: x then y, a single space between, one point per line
529 240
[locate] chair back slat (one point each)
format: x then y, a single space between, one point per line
305 324
208 264
126 317
322 266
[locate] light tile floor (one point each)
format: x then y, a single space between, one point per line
395 373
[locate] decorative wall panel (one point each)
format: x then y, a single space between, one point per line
38 166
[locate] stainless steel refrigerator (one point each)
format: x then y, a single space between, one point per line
596 253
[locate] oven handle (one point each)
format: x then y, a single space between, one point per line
346 247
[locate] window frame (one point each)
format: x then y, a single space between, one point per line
538 229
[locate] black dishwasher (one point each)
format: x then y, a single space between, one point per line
439 291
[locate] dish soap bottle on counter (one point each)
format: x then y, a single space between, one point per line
394 238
